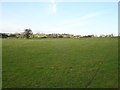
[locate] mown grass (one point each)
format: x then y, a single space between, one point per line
61 63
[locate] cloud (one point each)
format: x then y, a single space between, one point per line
52 1
9 27
73 25
79 20
53 6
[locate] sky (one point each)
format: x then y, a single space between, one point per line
79 18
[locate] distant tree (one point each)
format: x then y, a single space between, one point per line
3 35
12 35
60 36
28 33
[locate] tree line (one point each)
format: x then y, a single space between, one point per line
29 34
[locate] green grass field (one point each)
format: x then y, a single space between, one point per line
60 63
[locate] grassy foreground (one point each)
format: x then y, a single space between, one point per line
61 63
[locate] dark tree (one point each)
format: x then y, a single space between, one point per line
3 35
27 33
60 36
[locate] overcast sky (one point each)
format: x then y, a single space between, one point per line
60 17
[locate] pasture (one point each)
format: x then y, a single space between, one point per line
60 63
